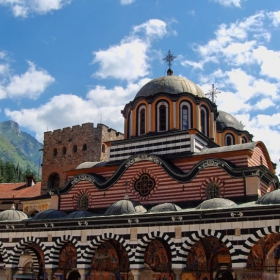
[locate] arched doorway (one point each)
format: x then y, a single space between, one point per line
74 275
224 275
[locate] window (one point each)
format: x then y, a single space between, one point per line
128 125
212 190
83 202
75 149
204 121
229 139
185 111
55 152
142 120
162 116
64 150
84 147
144 185
103 148
244 140
53 181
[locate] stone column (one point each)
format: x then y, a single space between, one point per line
135 273
178 273
49 273
83 272
10 272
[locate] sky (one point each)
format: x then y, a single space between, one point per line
69 62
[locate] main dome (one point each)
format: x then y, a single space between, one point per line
170 84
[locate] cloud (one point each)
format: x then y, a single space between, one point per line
126 2
228 3
31 84
23 8
129 60
275 17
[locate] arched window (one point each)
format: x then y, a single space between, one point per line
75 149
204 121
244 140
229 139
142 120
212 190
83 202
162 116
53 181
64 150
185 116
84 147
55 152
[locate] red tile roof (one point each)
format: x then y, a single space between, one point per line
19 190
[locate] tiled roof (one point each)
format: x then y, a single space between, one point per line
19 190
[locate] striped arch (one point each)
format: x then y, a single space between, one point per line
19 248
98 240
57 246
253 239
146 240
196 236
4 254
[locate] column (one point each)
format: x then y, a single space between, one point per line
135 273
178 273
10 272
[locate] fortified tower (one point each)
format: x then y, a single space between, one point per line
66 148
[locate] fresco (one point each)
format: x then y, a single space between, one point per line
265 254
110 262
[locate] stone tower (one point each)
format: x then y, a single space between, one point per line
66 148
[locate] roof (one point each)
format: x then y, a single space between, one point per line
226 120
19 190
171 85
12 215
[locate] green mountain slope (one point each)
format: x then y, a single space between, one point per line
20 147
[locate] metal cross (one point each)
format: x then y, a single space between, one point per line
169 58
213 93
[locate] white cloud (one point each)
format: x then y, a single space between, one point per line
127 2
129 60
22 8
30 84
227 3
269 61
275 17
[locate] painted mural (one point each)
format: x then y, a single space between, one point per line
67 261
110 262
265 254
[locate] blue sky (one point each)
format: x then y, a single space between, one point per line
68 62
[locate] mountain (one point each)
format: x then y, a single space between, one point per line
20 147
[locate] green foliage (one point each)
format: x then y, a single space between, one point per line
12 173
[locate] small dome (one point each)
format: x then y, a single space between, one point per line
78 214
125 206
272 197
225 120
216 203
12 215
171 85
165 207
49 214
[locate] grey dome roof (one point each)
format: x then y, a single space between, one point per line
225 120
165 207
125 206
49 214
216 203
12 215
272 197
79 214
171 85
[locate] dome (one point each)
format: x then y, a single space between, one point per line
216 203
125 206
225 120
272 197
171 85
12 215
78 214
165 207
49 214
